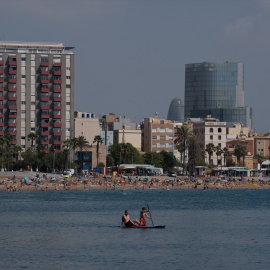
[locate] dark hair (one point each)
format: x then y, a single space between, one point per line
126 211
143 208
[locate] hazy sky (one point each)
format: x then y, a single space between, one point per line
130 55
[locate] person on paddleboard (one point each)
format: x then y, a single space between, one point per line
142 217
127 222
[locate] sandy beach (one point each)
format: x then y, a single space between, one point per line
28 181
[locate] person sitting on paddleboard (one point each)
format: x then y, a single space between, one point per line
126 220
142 217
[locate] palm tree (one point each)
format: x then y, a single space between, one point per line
226 153
2 143
9 139
68 145
81 143
218 153
261 158
240 151
98 140
31 137
16 150
183 134
210 148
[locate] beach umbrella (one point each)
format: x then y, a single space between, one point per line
25 178
29 181
199 181
79 177
129 178
53 179
66 176
179 178
207 180
136 178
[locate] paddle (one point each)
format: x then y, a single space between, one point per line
150 215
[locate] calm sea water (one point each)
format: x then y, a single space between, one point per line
213 229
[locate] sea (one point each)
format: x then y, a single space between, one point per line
212 229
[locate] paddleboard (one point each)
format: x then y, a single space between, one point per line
145 227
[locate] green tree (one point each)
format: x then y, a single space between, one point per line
169 160
261 158
115 154
153 158
218 153
2 143
226 153
81 143
183 134
240 151
32 137
210 148
98 140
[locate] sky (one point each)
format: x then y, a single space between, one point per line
130 55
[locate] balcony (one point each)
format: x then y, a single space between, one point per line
57 99
12 63
44 64
12 80
13 133
44 133
57 142
57 73
2 80
1 89
12 89
44 81
1 63
44 124
45 72
12 71
12 124
12 107
45 142
58 108
57 133
57 81
45 90
1 132
1 97
13 142
44 107
45 116
57 90
57 64
57 124
57 150
46 151
12 115
2 106
44 98
1 115
2 124
2 71
57 116
12 98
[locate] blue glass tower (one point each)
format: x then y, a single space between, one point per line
176 110
216 89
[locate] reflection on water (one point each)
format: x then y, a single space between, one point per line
216 229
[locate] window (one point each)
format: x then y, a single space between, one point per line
23 58
154 130
154 145
23 76
219 144
219 137
68 103
154 137
211 130
23 102
33 129
68 86
162 130
68 77
219 130
161 121
211 137
162 145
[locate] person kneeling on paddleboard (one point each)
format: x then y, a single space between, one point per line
126 220
142 217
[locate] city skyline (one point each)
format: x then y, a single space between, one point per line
130 56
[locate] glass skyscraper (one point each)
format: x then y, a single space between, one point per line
216 89
176 110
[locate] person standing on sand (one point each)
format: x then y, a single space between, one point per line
126 220
142 217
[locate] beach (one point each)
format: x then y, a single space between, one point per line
30 181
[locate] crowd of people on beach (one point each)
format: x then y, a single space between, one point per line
121 181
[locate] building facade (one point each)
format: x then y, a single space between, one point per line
157 135
216 89
211 131
37 93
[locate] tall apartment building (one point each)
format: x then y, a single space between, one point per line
37 92
216 89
